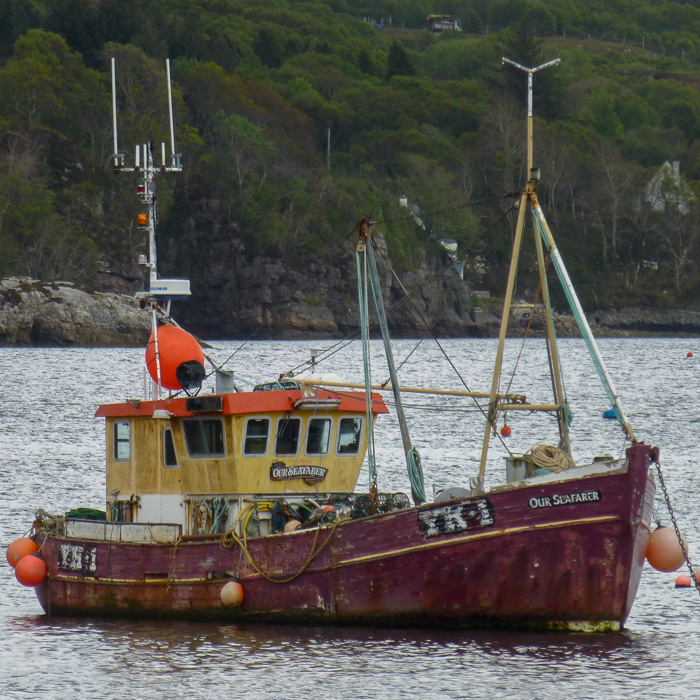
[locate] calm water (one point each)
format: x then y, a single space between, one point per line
51 457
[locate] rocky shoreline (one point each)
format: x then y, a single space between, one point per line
46 314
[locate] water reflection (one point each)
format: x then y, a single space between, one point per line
284 661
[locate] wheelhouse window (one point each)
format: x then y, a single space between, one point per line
204 437
287 438
256 435
349 436
122 440
318 436
169 456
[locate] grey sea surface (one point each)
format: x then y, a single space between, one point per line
52 457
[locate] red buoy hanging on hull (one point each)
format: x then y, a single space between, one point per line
664 551
19 549
30 570
175 347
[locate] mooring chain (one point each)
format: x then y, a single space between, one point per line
681 541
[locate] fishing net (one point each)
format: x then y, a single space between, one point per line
359 505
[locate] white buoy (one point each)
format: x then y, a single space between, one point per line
232 594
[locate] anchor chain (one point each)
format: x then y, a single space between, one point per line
684 549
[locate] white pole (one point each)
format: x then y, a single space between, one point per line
154 324
114 113
170 112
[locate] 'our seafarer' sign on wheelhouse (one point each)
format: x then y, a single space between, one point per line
280 472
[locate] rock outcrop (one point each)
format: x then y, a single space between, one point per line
635 321
287 299
58 313
265 298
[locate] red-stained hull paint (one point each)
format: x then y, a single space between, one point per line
557 554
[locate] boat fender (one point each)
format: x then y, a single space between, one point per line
30 570
19 549
664 551
232 594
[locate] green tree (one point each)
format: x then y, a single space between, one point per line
244 153
268 49
398 62
599 110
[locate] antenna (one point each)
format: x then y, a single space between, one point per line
157 290
530 72
174 157
118 157
145 166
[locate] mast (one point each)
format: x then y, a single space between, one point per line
367 270
544 240
527 197
363 298
157 290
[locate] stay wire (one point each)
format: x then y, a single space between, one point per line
437 342
342 344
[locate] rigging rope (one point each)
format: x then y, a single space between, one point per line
437 342
364 321
413 463
230 538
583 326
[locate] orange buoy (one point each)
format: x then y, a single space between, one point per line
175 347
690 354
664 551
506 431
30 570
19 549
232 594
683 581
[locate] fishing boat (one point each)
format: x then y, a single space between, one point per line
234 505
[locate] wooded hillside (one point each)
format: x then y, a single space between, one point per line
297 119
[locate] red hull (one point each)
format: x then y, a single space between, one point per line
558 554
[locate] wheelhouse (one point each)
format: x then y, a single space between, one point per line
166 458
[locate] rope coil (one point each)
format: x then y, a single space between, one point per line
550 457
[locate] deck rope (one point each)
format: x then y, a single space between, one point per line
550 457
230 539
